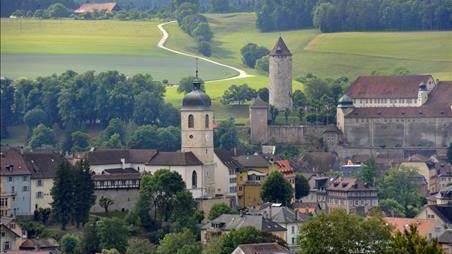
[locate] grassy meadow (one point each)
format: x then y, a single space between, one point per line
331 55
31 48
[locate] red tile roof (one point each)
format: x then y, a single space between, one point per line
387 86
438 104
12 163
109 7
424 226
284 167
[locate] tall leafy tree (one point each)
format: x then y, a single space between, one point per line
113 233
396 185
179 243
341 233
276 189
7 103
410 242
70 244
369 171
90 240
80 141
41 135
84 188
219 209
238 94
226 136
63 194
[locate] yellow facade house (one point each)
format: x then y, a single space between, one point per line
253 171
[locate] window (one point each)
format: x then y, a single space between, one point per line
39 182
191 121
194 180
39 194
25 188
24 178
293 240
6 245
293 230
207 121
10 179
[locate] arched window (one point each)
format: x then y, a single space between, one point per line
191 121
194 180
207 121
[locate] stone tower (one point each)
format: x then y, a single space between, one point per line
197 131
344 107
259 121
280 76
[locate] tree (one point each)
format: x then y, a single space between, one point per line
449 153
70 244
115 126
90 243
369 171
114 142
227 243
301 186
410 242
251 52
80 141
238 94
262 64
276 189
140 246
395 185
179 243
263 93
299 99
84 198
41 136
219 209
186 85
339 232
205 48
35 117
112 233
63 194
58 10
105 202
7 102
226 136
144 137
202 32
146 108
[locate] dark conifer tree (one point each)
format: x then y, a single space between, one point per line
84 189
63 194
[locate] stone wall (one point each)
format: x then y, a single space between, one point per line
123 199
421 133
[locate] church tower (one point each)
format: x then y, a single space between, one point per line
197 131
280 76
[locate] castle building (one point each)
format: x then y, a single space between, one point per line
280 75
197 132
407 113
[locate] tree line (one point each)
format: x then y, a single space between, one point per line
194 24
75 101
354 15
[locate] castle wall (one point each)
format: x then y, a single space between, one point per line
258 125
285 134
398 132
280 87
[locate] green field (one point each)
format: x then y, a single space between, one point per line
332 55
31 48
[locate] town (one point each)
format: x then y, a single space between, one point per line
101 161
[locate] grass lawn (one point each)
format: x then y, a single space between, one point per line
31 48
332 55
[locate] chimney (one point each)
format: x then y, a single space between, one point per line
235 151
21 150
123 163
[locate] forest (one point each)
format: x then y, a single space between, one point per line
354 15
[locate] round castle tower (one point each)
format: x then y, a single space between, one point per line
280 75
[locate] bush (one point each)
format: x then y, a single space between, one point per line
262 64
58 10
205 48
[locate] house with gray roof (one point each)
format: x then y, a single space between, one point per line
261 248
228 222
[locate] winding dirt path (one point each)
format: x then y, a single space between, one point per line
161 44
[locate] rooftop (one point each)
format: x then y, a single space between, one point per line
114 156
43 164
229 222
262 248
252 161
280 49
424 226
439 104
91 7
12 163
387 86
175 159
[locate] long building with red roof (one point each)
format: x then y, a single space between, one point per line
404 112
